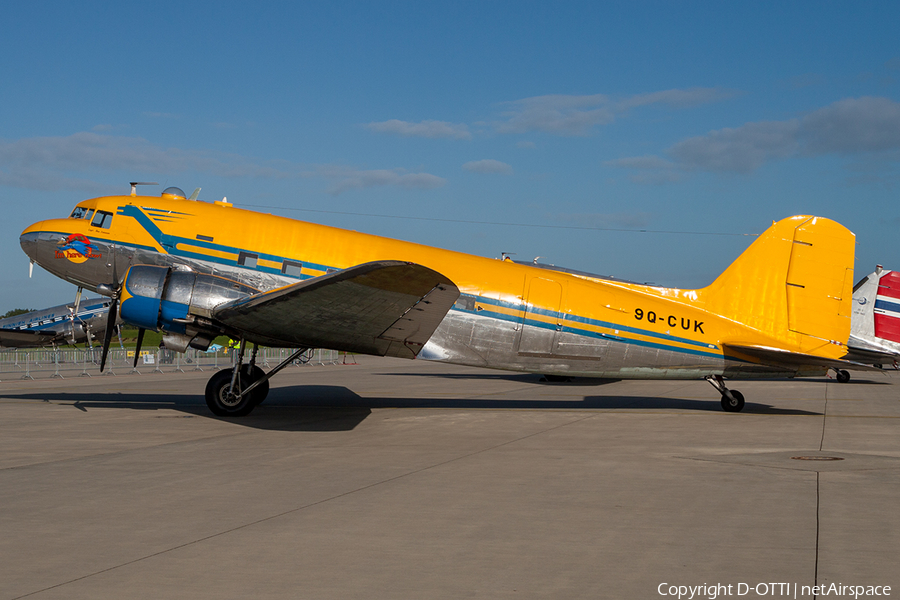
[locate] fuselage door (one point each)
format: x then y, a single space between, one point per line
542 320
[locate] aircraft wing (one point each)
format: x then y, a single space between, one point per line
25 338
796 360
389 308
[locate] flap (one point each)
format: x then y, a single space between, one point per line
387 308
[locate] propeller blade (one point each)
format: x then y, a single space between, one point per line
113 309
137 350
107 335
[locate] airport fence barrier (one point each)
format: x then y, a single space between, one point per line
75 362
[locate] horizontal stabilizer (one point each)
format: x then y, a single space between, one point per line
796 360
387 308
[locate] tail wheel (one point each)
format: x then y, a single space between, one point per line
733 405
222 402
842 376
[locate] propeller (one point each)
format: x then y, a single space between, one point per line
113 292
73 313
137 350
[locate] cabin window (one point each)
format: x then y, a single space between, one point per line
102 219
248 259
292 268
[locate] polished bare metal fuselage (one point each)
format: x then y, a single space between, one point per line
470 334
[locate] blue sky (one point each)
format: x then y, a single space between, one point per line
545 129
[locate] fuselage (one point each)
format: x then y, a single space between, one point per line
509 315
62 322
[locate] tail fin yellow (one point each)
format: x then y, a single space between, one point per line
793 285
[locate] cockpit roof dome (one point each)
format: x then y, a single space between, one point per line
174 192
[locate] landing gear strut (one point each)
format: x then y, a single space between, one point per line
732 400
237 391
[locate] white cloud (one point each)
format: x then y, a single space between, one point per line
488 166
739 150
853 125
66 163
426 129
348 178
570 115
679 98
849 127
557 114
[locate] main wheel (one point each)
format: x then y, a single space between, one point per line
729 405
249 376
843 376
221 402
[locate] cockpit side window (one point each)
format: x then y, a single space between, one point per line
102 219
78 213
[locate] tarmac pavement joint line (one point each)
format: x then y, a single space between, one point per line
300 508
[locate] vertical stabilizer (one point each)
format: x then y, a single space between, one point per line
793 284
887 307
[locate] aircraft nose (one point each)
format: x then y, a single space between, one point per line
29 239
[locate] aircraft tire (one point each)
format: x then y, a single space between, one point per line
217 399
735 405
843 376
262 390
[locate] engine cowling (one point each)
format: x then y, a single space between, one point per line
166 299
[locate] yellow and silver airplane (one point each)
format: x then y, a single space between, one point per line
195 270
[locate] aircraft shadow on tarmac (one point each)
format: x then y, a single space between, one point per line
518 377
337 408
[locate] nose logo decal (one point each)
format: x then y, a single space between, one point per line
77 248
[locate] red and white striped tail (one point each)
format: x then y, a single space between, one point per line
887 307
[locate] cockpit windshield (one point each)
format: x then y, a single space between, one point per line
81 212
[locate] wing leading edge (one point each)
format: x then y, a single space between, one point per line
388 308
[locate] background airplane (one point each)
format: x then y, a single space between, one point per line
875 329
61 324
195 270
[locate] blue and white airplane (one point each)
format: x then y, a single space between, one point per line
64 324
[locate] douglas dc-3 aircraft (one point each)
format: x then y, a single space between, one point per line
64 324
195 270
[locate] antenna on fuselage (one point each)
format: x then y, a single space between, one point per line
134 185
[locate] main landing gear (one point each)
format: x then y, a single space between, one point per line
732 400
237 391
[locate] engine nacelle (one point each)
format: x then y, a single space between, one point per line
162 298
